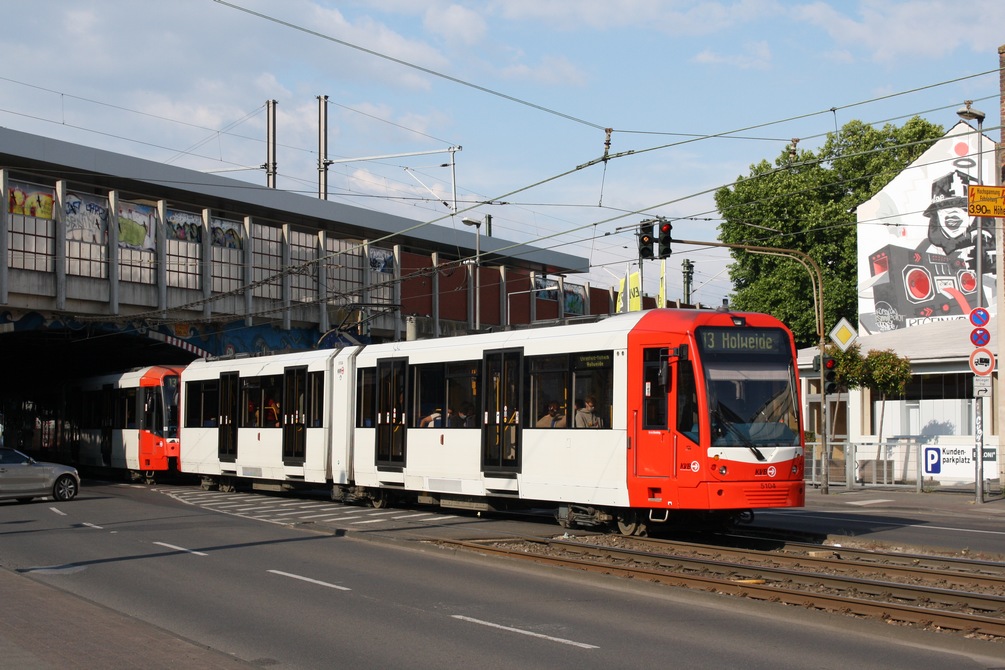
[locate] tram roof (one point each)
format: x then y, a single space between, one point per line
63 160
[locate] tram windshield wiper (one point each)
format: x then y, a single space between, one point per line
736 432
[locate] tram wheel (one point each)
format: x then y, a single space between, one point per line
380 500
632 522
744 517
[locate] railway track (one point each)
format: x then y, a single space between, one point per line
932 592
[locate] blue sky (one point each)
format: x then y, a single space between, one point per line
695 93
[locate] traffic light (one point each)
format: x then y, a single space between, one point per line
830 374
645 241
816 363
666 229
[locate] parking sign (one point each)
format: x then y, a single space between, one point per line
933 460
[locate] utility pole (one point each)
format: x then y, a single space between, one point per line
270 141
688 268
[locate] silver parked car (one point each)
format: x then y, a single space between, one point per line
24 478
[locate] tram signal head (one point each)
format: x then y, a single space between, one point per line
665 239
646 241
829 365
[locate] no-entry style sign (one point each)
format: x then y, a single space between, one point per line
982 362
980 337
979 317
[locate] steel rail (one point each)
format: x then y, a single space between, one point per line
748 584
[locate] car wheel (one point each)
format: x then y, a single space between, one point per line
65 488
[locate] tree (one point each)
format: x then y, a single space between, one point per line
806 201
888 374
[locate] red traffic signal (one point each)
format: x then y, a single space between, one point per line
665 239
829 365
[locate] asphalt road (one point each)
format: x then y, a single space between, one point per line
362 590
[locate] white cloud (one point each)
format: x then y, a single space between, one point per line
755 55
888 31
551 70
455 24
675 17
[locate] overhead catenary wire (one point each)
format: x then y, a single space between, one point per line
595 225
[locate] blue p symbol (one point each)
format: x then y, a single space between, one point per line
933 460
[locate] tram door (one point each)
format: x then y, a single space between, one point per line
684 422
293 408
654 444
230 410
391 416
503 397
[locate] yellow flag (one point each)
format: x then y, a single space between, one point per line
620 307
634 293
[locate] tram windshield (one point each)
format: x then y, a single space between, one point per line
171 387
750 386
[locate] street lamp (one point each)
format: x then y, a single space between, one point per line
968 113
478 274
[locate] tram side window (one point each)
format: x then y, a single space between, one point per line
366 387
654 393
316 399
548 391
272 393
125 409
445 395
429 395
202 403
687 401
593 382
251 402
153 412
463 396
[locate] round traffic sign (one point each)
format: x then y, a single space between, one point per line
979 316
982 362
980 337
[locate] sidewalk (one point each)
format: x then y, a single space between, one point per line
43 628
907 498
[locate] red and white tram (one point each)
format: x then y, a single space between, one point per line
628 420
127 420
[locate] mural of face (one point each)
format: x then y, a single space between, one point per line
953 221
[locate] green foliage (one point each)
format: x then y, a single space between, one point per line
883 372
850 367
810 198
887 373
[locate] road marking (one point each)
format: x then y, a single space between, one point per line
309 580
176 548
560 640
870 502
318 516
58 511
91 525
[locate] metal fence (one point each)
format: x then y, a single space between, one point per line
892 463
